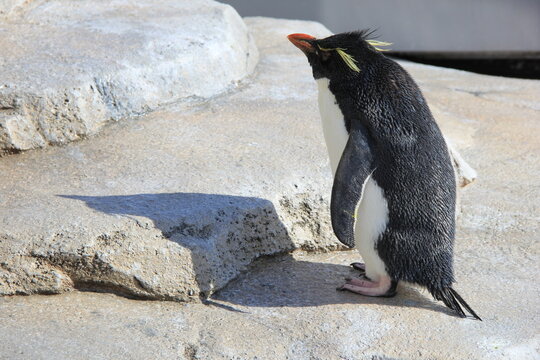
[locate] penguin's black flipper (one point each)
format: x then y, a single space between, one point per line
355 166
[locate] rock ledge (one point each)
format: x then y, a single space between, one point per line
71 67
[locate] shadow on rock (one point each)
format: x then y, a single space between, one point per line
283 281
223 233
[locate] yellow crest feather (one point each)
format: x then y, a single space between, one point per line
377 43
347 58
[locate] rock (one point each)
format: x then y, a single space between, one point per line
285 307
69 68
146 208
177 203
7 6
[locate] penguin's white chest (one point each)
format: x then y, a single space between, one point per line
372 209
333 123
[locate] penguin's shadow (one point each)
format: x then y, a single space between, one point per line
283 281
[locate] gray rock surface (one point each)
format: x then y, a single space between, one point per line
70 67
285 307
182 200
8 6
178 202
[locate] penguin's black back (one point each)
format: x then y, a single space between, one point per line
412 167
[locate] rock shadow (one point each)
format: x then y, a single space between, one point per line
224 233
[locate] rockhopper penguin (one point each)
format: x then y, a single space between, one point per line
394 191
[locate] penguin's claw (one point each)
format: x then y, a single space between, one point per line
359 266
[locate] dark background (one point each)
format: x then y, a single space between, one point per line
499 37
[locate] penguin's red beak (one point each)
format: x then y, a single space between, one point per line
302 41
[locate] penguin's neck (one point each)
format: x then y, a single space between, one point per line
333 123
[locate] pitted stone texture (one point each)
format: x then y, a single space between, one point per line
175 204
176 246
179 201
285 307
8 6
141 199
70 67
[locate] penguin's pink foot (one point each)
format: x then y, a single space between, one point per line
385 287
359 266
361 282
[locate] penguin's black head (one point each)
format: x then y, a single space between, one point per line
340 55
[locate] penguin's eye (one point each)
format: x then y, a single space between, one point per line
325 55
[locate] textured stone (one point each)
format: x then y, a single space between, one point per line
285 307
8 6
70 67
165 244
180 201
134 207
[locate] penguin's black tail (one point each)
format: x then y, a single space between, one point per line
451 298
